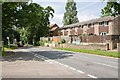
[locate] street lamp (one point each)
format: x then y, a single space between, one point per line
8 41
34 40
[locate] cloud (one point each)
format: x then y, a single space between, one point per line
86 17
66 0
57 19
86 10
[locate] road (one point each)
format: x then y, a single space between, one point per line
44 62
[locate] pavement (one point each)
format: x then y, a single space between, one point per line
44 62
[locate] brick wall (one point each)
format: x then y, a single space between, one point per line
103 28
90 30
116 24
94 39
92 47
118 48
79 31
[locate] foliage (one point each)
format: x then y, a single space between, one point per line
42 42
7 48
70 16
31 21
23 34
111 9
10 12
62 41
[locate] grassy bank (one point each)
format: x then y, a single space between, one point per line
97 52
7 48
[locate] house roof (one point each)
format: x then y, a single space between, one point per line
52 25
54 28
108 18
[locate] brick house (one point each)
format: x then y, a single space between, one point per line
53 30
108 27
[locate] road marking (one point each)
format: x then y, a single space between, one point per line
105 64
60 63
49 61
53 61
91 76
72 68
97 63
80 71
66 66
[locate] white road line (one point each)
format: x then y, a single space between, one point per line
53 61
49 61
60 63
72 68
105 64
80 71
66 66
91 76
98 63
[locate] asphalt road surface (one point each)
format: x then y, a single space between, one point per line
44 62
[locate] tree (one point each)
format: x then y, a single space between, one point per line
9 13
31 20
37 21
70 16
111 9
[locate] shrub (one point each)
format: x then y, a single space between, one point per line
41 43
63 41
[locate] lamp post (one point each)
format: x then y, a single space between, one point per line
8 41
34 40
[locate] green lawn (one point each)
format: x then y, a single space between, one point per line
97 52
7 48
10 47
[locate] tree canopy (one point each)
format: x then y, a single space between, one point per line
70 16
112 8
30 20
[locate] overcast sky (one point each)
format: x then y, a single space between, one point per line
86 9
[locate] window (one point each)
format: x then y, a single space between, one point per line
89 25
103 33
82 26
106 23
101 23
93 24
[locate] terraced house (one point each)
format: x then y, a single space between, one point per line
99 30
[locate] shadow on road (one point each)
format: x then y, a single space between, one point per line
21 56
27 56
54 54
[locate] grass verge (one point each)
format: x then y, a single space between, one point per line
7 48
97 52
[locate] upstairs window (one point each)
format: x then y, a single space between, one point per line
104 23
82 26
103 33
101 23
89 25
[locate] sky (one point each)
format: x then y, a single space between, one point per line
86 9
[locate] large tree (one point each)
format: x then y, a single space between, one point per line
112 8
31 20
70 16
9 14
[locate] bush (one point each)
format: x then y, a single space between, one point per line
63 41
41 43
3 53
